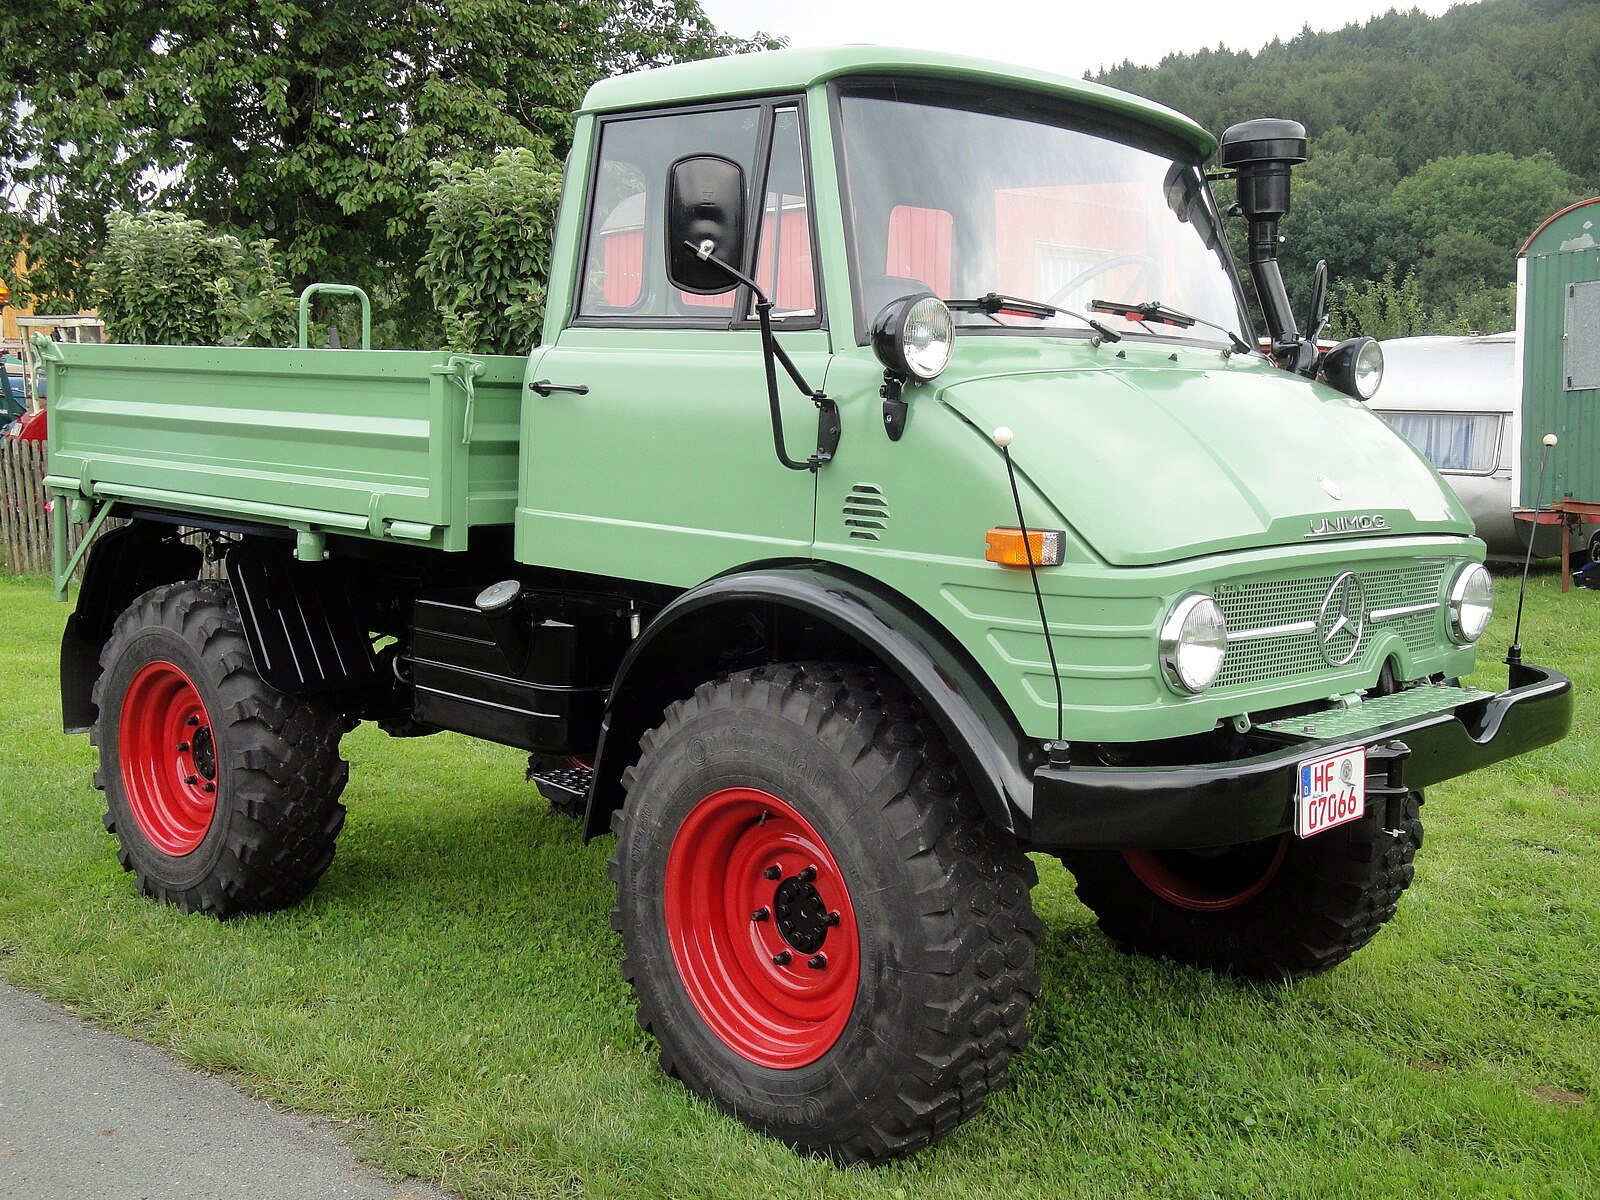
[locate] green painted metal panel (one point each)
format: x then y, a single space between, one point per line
778 71
372 443
1561 272
665 469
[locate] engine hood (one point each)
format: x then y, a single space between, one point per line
1151 465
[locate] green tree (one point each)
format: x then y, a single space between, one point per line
1496 198
1343 210
167 279
488 253
313 122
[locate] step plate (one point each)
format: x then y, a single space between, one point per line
566 786
1408 705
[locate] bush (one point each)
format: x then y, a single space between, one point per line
1380 308
488 255
165 279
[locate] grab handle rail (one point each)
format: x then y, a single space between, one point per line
335 289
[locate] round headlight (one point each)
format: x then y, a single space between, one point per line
1355 367
1194 641
1471 603
913 336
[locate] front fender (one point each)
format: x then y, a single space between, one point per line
684 646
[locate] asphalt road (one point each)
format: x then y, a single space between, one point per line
84 1113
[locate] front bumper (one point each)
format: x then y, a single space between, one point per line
1252 797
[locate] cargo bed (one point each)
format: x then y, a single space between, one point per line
412 445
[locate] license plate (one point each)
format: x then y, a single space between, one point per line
1333 790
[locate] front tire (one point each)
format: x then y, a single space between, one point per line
223 793
825 936
1280 909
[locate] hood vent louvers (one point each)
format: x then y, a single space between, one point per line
866 513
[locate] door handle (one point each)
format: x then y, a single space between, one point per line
544 387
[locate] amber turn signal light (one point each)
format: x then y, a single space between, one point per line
1004 545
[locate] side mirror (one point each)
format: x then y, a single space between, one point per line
705 219
1317 317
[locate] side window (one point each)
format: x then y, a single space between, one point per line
784 267
624 272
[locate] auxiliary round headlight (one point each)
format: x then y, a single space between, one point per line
1194 641
1471 603
913 336
1355 367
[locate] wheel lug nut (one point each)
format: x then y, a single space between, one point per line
191 780
831 919
183 747
781 958
192 721
807 874
773 872
761 914
208 787
817 961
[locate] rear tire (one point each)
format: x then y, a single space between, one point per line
1274 910
223 793
824 934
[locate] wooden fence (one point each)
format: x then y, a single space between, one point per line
25 522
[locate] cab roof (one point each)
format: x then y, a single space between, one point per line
775 71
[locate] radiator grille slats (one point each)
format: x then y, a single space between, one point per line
1267 603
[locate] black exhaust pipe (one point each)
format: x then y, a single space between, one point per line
1260 153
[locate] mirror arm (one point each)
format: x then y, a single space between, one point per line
772 354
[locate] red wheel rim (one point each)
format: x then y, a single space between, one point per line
761 928
1209 883
169 759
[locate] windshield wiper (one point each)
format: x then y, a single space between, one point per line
1153 311
992 304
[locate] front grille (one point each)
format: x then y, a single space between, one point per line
1266 604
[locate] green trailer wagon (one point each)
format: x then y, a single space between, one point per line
1558 317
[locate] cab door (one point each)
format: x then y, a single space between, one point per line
662 466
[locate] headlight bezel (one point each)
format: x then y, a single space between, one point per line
1175 640
1459 603
1355 367
892 344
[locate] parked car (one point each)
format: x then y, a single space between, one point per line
1457 399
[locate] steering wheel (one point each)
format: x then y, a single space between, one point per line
1143 261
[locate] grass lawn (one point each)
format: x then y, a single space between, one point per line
451 991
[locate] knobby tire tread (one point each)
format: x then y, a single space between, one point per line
1329 901
282 760
977 930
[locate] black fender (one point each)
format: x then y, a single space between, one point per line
123 564
803 608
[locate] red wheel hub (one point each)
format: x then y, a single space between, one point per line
169 759
761 928
1209 883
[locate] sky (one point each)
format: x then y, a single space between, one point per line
1066 36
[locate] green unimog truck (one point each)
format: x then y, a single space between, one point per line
897 488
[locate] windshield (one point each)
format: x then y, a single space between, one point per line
963 196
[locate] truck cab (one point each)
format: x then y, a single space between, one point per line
894 490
